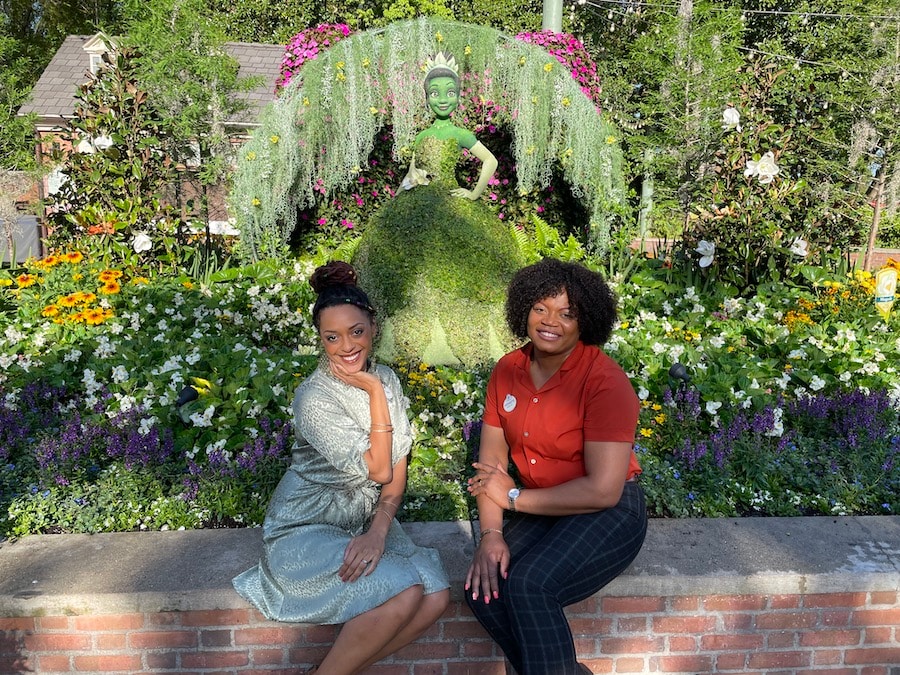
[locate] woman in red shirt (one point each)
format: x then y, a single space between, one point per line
565 414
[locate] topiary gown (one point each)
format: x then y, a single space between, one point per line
437 266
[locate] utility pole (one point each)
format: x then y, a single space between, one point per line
552 19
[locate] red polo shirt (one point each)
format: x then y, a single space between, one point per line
588 399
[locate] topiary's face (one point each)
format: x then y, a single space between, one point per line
443 96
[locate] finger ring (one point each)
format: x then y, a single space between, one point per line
366 562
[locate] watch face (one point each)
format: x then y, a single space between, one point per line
514 493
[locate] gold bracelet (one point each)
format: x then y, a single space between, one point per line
394 504
382 426
488 531
390 517
381 431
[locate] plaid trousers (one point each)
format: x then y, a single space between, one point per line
557 561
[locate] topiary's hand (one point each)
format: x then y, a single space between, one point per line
466 194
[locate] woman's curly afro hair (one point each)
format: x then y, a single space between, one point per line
590 299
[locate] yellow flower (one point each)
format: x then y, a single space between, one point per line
521 60
438 37
110 288
467 51
366 63
306 101
339 65
548 66
26 280
659 419
256 201
610 139
50 310
250 156
78 317
51 261
109 275
624 325
68 300
274 138
94 317
187 284
6 282
534 99
566 101
373 110
341 77
646 433
78 276
140 280
530 150
73 257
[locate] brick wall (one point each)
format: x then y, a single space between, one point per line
839 633
757 596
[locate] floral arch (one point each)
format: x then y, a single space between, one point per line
315 137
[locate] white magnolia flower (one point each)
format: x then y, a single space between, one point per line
707 251
103 142
800 247
731 119
141 242
764 168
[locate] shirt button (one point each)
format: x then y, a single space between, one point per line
534 400
526 434
534 461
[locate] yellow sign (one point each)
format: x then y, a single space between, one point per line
885 288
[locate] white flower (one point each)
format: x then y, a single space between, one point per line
816 383
119 374
707 251
777 424
204 420
141 242
643 393
800 247
712 407
731 119
103 142
764 168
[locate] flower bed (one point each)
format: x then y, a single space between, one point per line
786 403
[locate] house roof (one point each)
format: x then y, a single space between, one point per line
53 97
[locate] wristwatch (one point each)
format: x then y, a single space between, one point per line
513 495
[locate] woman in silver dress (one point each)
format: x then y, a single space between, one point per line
333 550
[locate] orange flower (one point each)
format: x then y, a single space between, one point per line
109 275
50 310
110 287
68 300
51 261
78 317
26 280
94 317
86 298
73 257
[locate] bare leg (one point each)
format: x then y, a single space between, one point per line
429 610
365 636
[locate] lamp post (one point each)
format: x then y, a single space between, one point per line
552 18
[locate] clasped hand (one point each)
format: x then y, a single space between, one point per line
491 481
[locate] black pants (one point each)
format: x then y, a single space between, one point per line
555 562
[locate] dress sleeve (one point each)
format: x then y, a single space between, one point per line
324 423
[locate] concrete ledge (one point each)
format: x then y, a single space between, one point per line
182 571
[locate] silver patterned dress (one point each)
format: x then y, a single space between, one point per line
324 499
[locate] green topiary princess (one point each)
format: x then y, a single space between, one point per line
436 259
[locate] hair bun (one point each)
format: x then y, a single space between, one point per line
335 273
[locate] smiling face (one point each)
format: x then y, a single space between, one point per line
553 326
347 333
443 96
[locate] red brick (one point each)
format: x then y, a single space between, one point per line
635 645
685 664
835 600
681 643
16 623
58 642
585 646
267 657
630 665
478 649
307 655
320 634
587 606
830 638
721 643
477 668
782 620
731 662
737 622
429 650
104 663
52 622
681 625
215 638
48 663
836 618
879 635
685 603
632 605
106 642
586 626
95 622
271 635
464 630
427 669
598 665
877 670
634 624
781 639
734 603
216 658
830 671
886 656
159 639
779 659
827 657
876 617
784 601
884 598
156 619
216 617
161 660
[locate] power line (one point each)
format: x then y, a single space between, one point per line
629 4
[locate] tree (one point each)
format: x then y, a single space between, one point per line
16 133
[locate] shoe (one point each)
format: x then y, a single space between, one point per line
584 669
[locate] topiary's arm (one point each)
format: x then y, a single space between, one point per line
488 167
